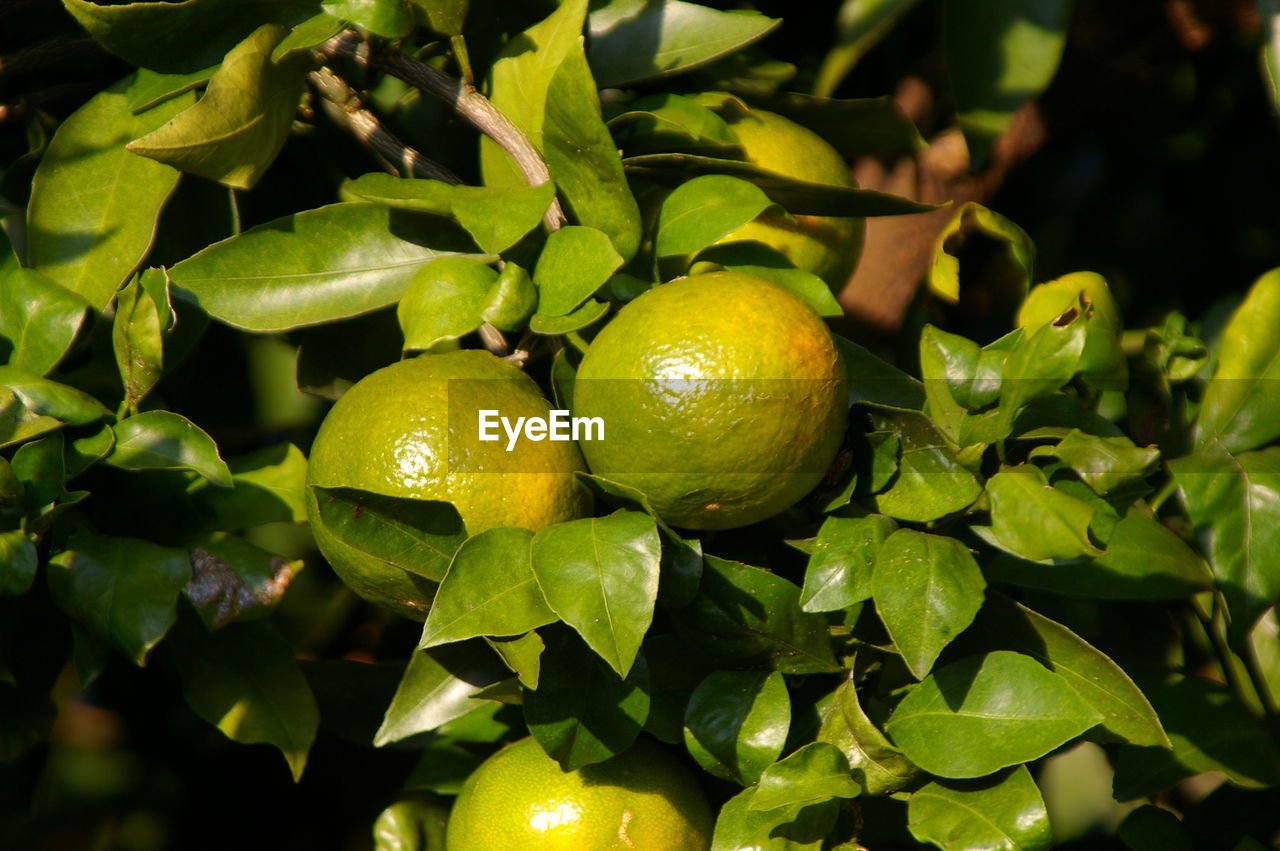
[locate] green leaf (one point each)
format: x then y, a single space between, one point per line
1102 361
151 88
1040 363
960 377
18 563
875 381
927 590
860 25
740 828
985 713
437 687
445 16
855 127
590 313
1002 813
584 159
417 536
233 580
745 616
137 337
387 18
523 655
94 205
877 766
806 286
233 133
267 486
797 197
180 37
575 262
600 575
495 217
1235 500
816 772
307 33
1241 405
663 121
163 440
930 483
1210 730
1150 828
736 723
1126 713
245 680
704 210
490 589
39 320
411 826
39 473
443 301
46 398
634 40
512 299
123 589
582 712
844 554
1020 252
314 267
999 55
1105 464
1035 520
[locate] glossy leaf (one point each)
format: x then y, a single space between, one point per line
123 589
523 655
806 286
437 687
740 828
387 18
873 380
1002 813
574 263
1035 520
1235 500
1210 730
876 765
163 440
663 121
1104 463
747 616
736 723
152 88
927 590
46 398
1041 362
313 267
411 826
984 713
999 55
582 712
1241 405
94 205
624 48
844 555
180 37
234 132
860 25
704 210
39 320
1102 360
137 337
446 16
267 486
1126 713
18 563
512 299
244 680
490 589
944 273
589 314
930 483
816 772
444 301
495 217
600 576
417 536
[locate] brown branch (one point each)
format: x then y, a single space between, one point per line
343 107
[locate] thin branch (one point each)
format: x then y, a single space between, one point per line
481 114
343 106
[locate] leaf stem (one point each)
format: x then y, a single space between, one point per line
344 108
1258 679
1211 622
1167 490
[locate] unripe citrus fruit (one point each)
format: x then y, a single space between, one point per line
410 430
723 398
827 246
519 798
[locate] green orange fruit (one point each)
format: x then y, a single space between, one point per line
520 798
827 246
410 430
723 397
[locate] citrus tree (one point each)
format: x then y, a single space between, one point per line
1006 581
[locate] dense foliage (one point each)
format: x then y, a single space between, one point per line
1033 600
